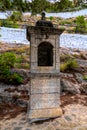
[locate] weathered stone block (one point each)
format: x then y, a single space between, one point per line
34 54
43 101
33 66
45 85
41 114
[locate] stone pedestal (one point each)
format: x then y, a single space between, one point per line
45 97
45 69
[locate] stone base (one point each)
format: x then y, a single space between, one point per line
43 114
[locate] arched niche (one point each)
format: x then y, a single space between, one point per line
45 54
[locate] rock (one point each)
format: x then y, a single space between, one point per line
17 128
67 118
22 103
82 62
75 54
67 75
79 77
5 99
24 73
83 55
70 87
3 87
8 99
24 87
84 87
1 99
81 127
16 93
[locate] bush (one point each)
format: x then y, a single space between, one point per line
63 67
80 24
51 17
8 58
84 5
85 77
7 61
69 65
5 23
64 57
8 23
15 78
16 16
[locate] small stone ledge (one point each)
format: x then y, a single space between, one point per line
43 30
44 114
31 75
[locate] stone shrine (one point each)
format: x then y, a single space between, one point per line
44 70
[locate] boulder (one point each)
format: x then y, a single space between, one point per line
70 87
83 55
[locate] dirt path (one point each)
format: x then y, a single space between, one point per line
74 117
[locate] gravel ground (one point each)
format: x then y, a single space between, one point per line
74 118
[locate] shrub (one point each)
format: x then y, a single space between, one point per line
14 79
8 23
19 59
85 77
80 24
64 57
84 5
51 17
76 56
25 65
69 65
62 22
7 61
16 16
63 67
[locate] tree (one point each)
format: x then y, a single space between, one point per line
77 2
5 4
17 4
21 5
64 4
37 6
26 6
